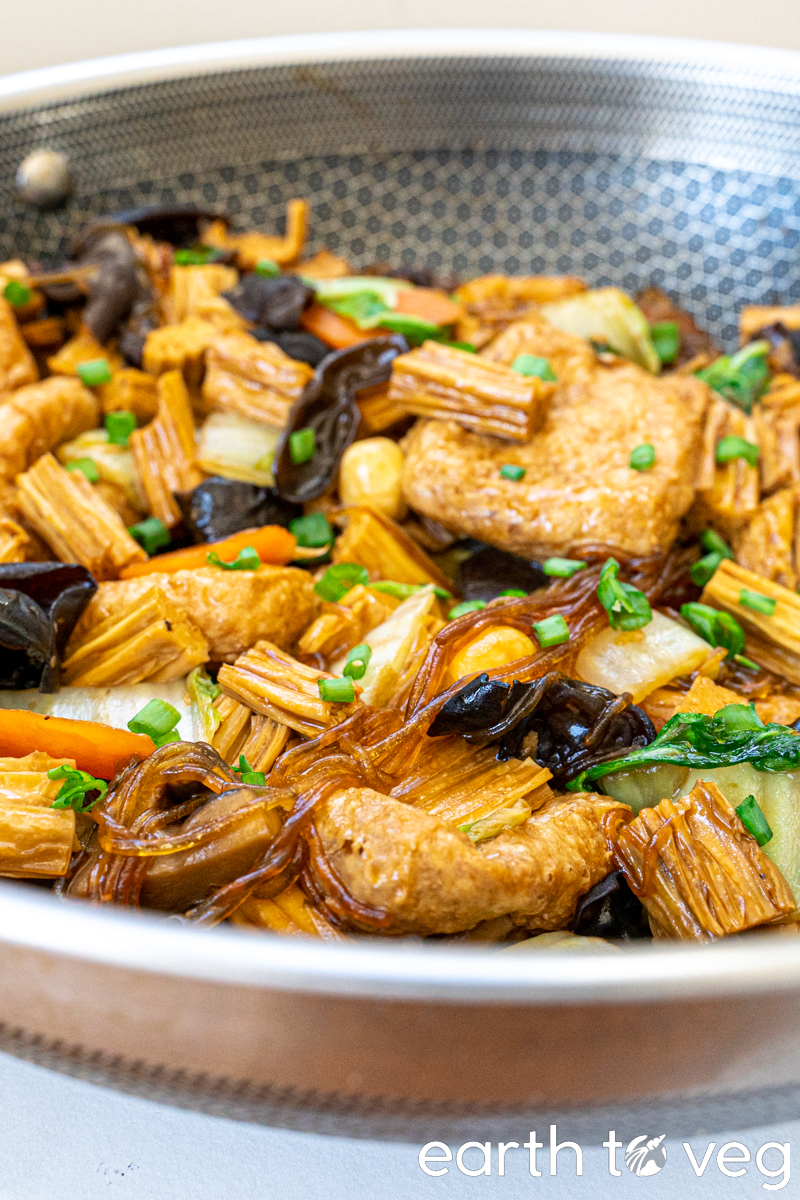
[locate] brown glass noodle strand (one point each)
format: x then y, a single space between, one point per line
282 851
339 906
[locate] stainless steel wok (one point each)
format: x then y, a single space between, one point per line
628 161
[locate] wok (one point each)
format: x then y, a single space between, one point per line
625 160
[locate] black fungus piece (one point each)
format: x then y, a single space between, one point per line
610 910
564 724
40 604
179 224
298 344
218 507
473 709
489 572
272 302
328 406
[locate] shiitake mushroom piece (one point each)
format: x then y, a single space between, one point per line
489 572
328 406
271 302
119 285
40 604
219 507
610 910
298 344
564 724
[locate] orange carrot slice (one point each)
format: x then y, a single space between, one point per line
98 749
272 543
429 304
335 331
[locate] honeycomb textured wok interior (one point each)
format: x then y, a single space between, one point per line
622 172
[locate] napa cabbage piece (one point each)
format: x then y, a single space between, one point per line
772 777
640 660
110 705
609 316
392 644
237 448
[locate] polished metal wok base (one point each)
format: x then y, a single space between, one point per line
624 161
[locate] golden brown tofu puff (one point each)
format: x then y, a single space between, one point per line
37 418
578 488
232 608
431 879
571 357
17 364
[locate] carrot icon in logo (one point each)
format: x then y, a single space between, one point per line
646 1155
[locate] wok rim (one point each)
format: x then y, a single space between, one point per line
732 61
146 942
408 970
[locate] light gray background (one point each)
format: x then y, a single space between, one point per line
66 1139
38 33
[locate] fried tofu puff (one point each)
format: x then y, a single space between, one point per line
233 608
431 879
578 487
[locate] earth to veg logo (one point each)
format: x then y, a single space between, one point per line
646 1155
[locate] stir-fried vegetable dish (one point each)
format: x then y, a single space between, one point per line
342 602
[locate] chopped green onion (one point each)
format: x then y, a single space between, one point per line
466 606
198 257
16 293
158 721
717 628
531 364
563 568
510 471
467 346
120 426
666 341
732 447
87 467
643 457
627 607
741 377
713 543
339 579
758 603
336 691
746 662
266 267
151 533
517 593
750 814
312 529
357 661
93 373
246 560
552 631
75 788
249 776
703 570
302 445
402 591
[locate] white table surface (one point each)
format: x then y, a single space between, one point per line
63 1138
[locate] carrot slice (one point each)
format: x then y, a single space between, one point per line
272 543
429 304
98 749
334 330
